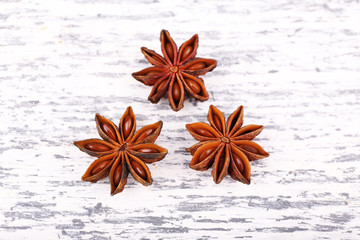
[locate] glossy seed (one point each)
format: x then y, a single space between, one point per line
139 170
97 147
117 174
204 132
127 126
108 130
194 86
99 167
187 51
217 123
170 51
238 163
197 66
250 149
145 134
176 92
205 154
148 150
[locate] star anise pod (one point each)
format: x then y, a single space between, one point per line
175 73
122 151
225 146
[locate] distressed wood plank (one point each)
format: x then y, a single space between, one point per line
294 65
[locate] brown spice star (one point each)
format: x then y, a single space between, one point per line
225 145
175 73
122 151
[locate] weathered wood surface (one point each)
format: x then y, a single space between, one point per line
294 65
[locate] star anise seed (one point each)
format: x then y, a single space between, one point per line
122 151
226 146
175 73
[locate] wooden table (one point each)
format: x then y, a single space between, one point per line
293 65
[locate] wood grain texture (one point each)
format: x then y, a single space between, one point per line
294 65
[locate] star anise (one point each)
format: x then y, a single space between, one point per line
225 145
122 151
175 73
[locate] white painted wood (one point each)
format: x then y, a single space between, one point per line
294 65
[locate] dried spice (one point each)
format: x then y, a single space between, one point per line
226 146
175 73
122 151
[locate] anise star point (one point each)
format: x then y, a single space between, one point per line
122 151
225 145
175 73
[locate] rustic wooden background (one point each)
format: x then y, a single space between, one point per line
294 65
